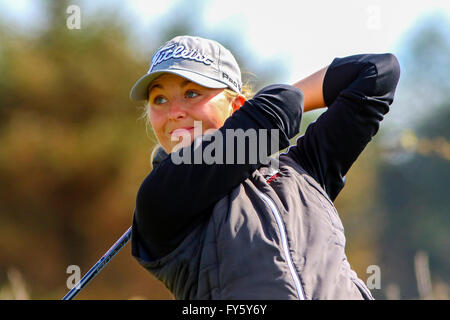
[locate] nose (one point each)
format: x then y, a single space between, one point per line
176 110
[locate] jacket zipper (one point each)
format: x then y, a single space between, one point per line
284 242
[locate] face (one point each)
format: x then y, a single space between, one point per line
175 103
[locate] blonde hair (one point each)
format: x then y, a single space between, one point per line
247 92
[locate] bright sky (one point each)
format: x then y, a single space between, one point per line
306 35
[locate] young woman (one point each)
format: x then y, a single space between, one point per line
252 229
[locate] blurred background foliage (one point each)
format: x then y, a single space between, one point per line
74 151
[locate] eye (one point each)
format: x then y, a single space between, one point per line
159 100
191 94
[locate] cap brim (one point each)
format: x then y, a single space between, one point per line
140 89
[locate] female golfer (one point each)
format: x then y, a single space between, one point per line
217 218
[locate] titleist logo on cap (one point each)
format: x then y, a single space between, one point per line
179 52
202 61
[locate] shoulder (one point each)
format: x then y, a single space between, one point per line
281 90
281 104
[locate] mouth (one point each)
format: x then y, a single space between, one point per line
181 131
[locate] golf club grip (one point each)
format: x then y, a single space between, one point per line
123 240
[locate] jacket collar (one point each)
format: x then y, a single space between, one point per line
159 157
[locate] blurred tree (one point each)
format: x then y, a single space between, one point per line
415 187
73 151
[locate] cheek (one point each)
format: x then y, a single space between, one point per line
157 120
218 113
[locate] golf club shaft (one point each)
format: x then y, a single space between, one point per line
99 265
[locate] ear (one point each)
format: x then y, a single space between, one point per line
238 102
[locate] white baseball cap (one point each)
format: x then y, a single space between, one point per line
205 62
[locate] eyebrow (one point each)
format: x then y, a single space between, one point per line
183 84
153 87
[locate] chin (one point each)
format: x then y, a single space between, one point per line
181 145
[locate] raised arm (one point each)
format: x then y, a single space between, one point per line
311 87
358 91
